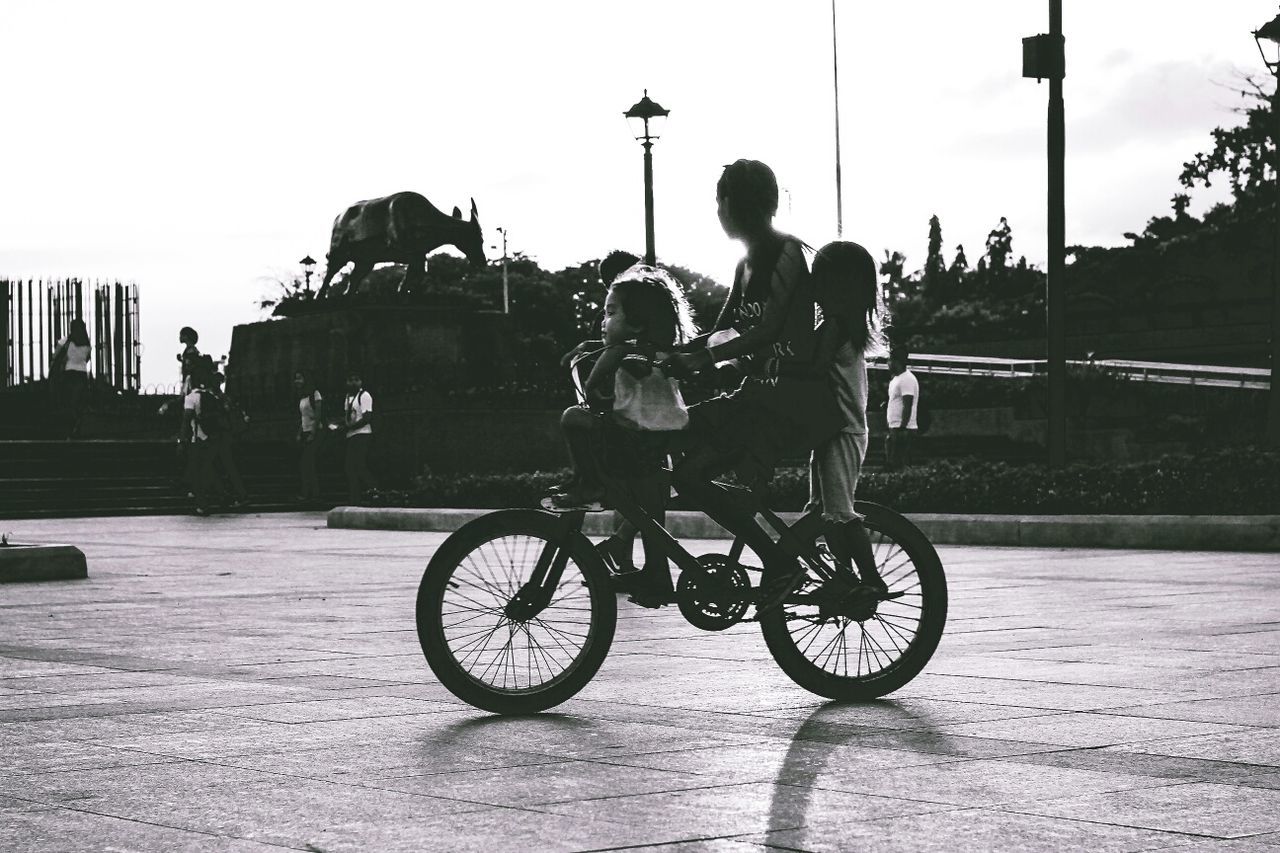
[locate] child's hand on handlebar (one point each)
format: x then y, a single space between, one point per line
685 363
573 353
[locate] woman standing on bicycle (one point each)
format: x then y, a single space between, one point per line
784 404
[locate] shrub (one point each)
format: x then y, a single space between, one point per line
1236 481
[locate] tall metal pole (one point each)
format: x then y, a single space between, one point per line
650 257
1273 395
1054 301
506 289
4 333
835 73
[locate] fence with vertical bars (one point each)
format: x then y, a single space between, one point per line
38 312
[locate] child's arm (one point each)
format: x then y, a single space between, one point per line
599 384
579 350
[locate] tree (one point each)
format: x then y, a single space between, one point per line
959 266
999 246
1242 152
706 296
934 266
891 268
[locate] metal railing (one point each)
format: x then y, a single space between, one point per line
1201 375
35 314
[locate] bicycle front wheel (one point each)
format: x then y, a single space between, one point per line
505 658
854 648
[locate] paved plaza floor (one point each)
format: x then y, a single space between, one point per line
255 682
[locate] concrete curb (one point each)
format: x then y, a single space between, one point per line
24 563
1161 532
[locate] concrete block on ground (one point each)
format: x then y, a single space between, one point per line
19 563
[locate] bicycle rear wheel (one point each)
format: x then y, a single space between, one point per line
853 647
495 656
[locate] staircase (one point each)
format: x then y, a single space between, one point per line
59 479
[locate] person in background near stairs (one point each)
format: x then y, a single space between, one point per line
232 421
358 423
189 358
193 441
190 362
310 414
902 412
70 374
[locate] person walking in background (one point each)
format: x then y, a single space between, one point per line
358 422
193 441
70 374
189 361
189 358
223 420
902 412
310 415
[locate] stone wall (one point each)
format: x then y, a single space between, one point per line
396 349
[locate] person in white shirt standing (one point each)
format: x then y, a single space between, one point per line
359 425
904 407
70 373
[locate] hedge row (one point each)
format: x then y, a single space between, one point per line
1238 481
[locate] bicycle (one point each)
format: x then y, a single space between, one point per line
516 611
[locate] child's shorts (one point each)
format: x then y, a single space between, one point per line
834 468
632 453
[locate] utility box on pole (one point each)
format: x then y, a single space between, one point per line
1043 57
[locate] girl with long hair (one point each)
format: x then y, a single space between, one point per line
848 294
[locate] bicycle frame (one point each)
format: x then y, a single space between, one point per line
538 591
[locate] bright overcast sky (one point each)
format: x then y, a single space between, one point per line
199 148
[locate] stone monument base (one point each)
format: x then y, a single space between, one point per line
20 563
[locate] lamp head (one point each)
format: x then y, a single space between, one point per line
1269 32
646 118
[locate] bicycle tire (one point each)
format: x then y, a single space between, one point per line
463 590
909 564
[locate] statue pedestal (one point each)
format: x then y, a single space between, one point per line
412 359
394 348
20 563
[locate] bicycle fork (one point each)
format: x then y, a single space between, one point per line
536 593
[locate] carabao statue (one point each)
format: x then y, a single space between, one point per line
401 228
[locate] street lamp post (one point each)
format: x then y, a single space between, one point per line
1043 56
308 265
1270 31
646 118
506 291
835 75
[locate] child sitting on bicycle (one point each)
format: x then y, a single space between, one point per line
628 405
846 289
